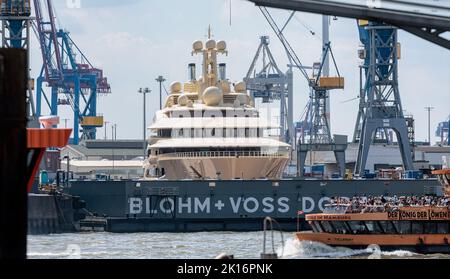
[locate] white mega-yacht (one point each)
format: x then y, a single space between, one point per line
209 129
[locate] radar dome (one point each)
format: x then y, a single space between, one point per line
221 45
175 87
240 87
212 96
183 100
197 45
210 44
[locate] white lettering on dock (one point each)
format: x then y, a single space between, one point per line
305 208
283 205
187 205
255 205
135 206
164 202
205 206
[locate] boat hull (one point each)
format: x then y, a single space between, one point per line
223 167
421 243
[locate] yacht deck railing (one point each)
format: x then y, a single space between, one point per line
228 154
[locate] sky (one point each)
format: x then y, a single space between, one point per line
135 41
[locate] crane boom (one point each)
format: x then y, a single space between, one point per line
68 72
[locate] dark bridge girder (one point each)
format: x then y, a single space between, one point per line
428 27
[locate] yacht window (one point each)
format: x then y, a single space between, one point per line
327 226
213 132
340 227
417 227
442 227
358 227
403 227
316 227
430 227
247 132
235 132
388 227
374 227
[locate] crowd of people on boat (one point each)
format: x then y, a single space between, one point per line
366 204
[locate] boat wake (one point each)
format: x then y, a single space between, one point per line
295 249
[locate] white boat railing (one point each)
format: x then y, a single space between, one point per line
232 154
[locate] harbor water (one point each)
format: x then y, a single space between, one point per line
204 245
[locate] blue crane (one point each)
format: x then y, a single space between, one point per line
77 81
380 109
15 21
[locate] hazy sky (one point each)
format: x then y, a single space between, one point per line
134 41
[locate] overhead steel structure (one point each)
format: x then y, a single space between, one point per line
76 80
443 132
270 83
380 104
320 134
15 20
429 21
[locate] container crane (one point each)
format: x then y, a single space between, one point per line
443 132
317 114
380 109
15 22
75 79
270 84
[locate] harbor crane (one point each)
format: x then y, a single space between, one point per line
68 73
269 84
380 108
443 132
317 116
380 105
15 22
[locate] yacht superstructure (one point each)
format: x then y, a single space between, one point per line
209 128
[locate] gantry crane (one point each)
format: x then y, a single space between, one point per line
270 83
320 135
75 80
15 22
380 108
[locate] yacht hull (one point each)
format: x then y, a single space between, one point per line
223 168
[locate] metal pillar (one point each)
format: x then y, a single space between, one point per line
290 108
160 80
382 105
13 154
326 63
144 92
429 109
